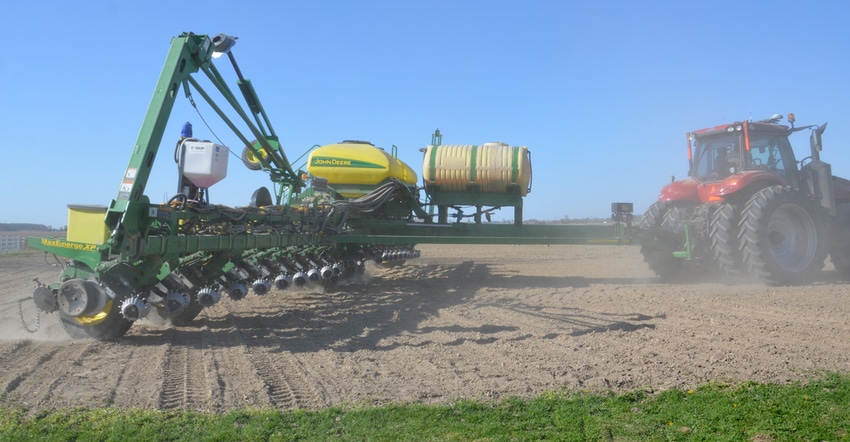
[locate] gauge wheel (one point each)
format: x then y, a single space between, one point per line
105 325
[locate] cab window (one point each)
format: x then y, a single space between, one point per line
770 153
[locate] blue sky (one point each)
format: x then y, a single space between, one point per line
601 92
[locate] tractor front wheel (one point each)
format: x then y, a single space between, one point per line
663 234
723 235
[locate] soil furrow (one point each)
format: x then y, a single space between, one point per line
83 351
136 383
17 385
11 353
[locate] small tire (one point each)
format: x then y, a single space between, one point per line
250 159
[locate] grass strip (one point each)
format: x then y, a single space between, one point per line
817 410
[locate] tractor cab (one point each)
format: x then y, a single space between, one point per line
742 147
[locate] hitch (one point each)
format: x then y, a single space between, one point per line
686 254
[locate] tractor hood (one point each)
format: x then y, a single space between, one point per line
692 190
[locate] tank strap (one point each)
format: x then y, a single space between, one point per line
515 165
473 160
433 169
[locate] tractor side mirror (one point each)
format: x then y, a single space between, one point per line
815 140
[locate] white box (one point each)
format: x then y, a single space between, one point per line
204 163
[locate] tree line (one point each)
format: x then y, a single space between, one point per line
22 227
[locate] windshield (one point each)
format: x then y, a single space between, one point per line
716 157
771 152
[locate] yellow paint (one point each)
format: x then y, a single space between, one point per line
86 224
357 164
96 318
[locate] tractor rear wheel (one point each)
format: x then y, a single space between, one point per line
782 236
839 242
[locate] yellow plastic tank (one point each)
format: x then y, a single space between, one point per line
487 168
353 167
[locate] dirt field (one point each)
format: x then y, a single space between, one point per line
482 322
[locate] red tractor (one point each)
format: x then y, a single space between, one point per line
749 209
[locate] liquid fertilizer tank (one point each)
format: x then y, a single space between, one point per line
486 168
490 174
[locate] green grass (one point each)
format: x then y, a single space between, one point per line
819 410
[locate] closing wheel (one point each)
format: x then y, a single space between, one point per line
181 319
187 316
783 236
104 325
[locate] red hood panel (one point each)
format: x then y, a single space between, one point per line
692 190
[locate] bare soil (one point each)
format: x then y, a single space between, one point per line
477 322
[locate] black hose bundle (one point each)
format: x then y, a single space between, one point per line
369 203
372 201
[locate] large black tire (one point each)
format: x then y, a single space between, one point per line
662 227
783 236
107 325
723 235
839 242
74 329
659 258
